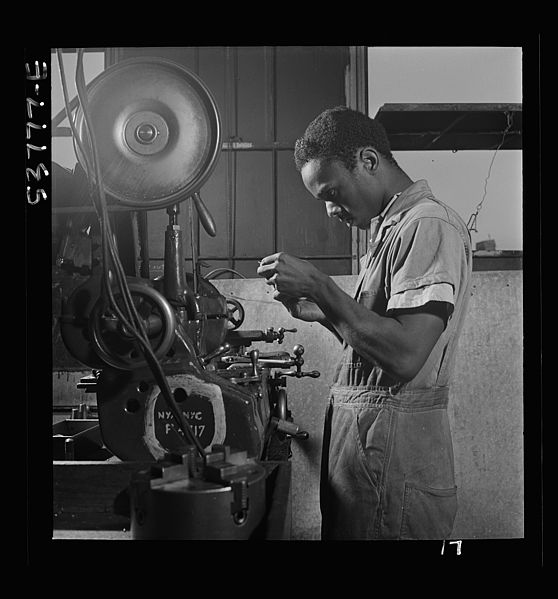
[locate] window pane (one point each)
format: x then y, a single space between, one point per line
215 195
252 82
333 267
309 80
303 225
247 268
254 204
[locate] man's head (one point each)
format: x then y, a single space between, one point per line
337 134
344 158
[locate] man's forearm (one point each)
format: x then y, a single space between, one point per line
311 312
399 343
378 339
325 323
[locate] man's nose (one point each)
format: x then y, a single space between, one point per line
332 209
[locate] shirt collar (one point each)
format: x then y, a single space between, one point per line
383 213
405 200
376 222
398 204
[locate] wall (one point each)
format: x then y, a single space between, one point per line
486 410
486 404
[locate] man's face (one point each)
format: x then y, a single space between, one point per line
351 196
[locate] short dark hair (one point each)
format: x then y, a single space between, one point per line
337 133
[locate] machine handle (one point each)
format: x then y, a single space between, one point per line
205 216
289 428
254 355
216 353
299 374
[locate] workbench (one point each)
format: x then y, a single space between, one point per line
90 500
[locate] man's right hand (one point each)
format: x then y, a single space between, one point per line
304 309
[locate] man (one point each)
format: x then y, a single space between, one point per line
387 470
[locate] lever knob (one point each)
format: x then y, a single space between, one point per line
254 355
313 374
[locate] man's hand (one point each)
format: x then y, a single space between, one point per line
295 282
300 308
290 276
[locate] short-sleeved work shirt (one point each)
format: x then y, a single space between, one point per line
420 253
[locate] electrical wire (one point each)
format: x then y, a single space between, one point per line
472 223
131 320
107 238
217 272
139 333
67 106
85 155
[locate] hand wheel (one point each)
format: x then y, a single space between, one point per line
235 314
118 346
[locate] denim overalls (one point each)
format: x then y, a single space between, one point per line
387 464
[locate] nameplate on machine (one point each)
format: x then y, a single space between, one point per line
202 406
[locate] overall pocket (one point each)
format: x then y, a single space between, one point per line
349 495
372 433
428 513
350 462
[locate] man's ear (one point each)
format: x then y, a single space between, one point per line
370 158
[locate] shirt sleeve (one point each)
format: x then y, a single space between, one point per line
425 264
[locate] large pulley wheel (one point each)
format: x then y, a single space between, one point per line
118 346
157 131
